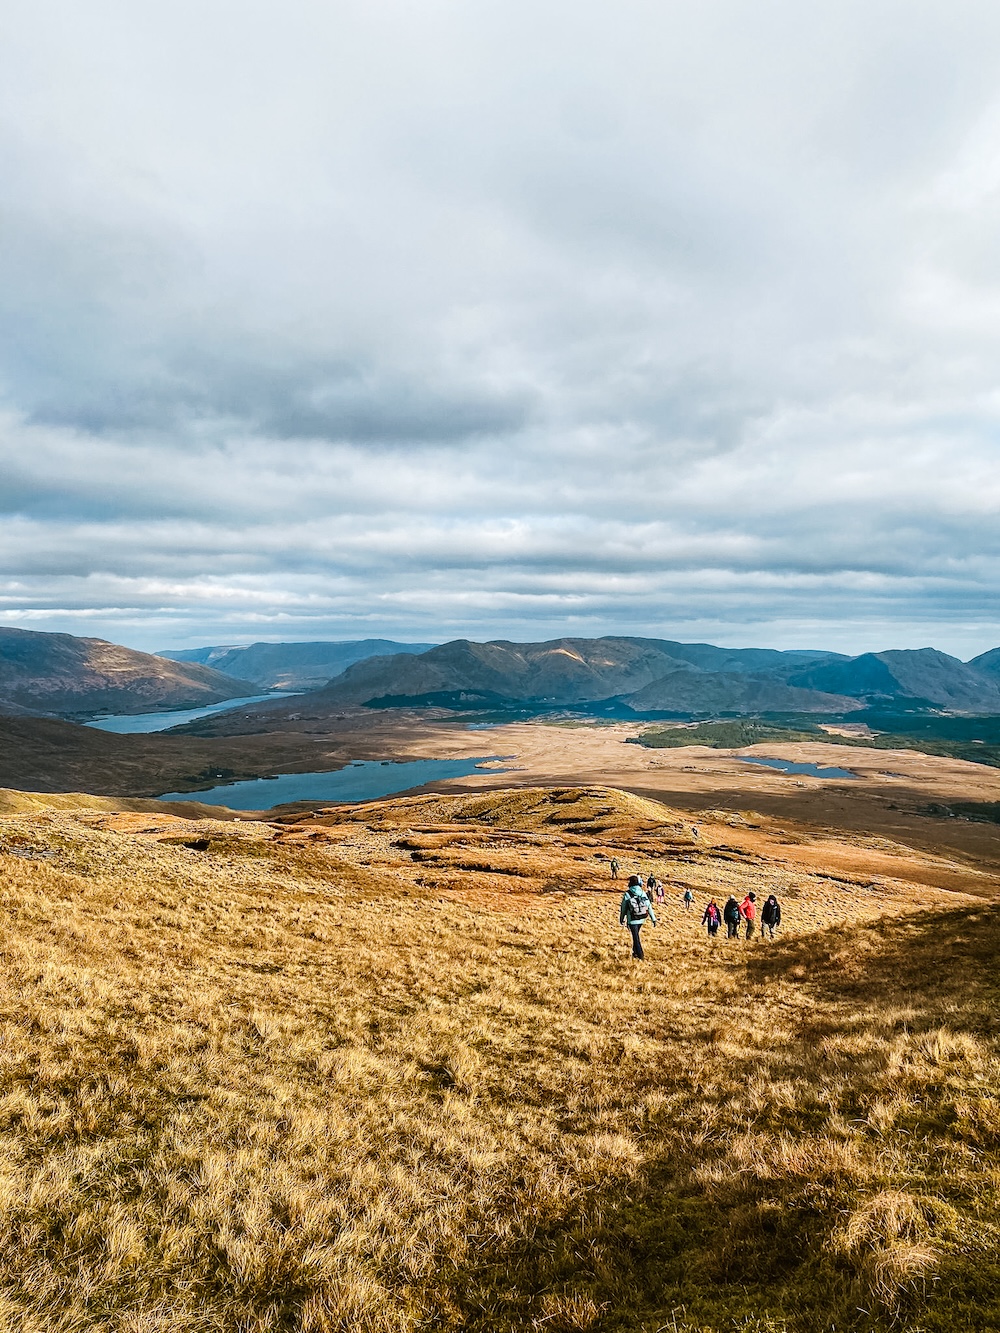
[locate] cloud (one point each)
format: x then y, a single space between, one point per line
502 320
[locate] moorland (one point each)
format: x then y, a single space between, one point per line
389 1067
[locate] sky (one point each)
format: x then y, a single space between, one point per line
331 319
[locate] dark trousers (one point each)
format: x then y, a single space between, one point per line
732 930
636 941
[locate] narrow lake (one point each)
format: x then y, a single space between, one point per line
126 723
809 770
360 781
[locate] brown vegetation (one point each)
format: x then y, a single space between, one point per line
391 1068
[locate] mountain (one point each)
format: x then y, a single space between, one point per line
291 666
694 691
988 663
920 675
760 661
60 673
564 672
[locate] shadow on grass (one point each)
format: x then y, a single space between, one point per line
831 1172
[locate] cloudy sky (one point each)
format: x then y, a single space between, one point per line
338 318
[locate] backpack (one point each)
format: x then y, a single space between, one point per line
688 896
638 906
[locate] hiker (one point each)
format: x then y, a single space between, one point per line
659 897
711 918
614 867
748 911
770 915
651 885
732 914
688 900
636 909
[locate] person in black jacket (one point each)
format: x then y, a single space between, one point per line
731 916
770 915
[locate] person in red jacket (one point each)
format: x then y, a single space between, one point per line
748 911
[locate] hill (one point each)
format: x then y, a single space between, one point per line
687 691
779 664
291 666
923 675
53 755
60 673
230 1102
987 663
563 672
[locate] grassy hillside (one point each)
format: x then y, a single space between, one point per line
392 1070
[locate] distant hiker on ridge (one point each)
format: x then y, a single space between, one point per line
688 900
614 867
636 910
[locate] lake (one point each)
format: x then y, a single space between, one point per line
808 770
134 723
360 781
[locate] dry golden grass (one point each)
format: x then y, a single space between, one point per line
391 1069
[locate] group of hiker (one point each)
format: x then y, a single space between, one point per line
637 908
735 914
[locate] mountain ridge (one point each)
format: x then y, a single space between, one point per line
567 671
43 673
926 675
307 665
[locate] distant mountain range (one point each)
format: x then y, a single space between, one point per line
641 674
921 675
661 675
61 674
290 666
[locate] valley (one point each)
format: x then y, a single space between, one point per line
387 1065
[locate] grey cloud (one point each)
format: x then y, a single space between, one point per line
398 322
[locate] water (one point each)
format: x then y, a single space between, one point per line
128 723
809 770
360 781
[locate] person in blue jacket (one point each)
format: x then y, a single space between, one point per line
636 910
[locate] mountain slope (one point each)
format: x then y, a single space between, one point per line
987 663
758 661
291 666
60 673
564 672
908 674
560 671
688 691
